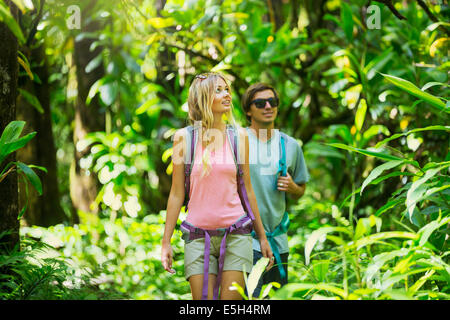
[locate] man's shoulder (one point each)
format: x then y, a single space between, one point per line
289 139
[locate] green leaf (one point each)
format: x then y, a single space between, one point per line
419 283
376 154
12 131
364 226
432 84
417 189
375 173
7 18
347 20
376 181
9 141
32 99
159 23
24 5
255 274
31 176
389 205
380 260
428 229
94 63
266 289
360 114
321 150
316 235
290 289
381 236
412 89
398 135
378 63
108 92
374 130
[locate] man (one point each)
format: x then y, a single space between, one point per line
271 180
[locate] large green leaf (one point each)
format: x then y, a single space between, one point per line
8 19
255 274
418 189
378 63
428 229
316 235
370 153
32 99
360 114
378 171
409 87
347 20
31 176
11 132
374 238
380 260
398 135
288 291
10 141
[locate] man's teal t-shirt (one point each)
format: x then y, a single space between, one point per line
264 158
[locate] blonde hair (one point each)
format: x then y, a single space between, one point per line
200 100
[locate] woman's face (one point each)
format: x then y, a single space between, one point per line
222 97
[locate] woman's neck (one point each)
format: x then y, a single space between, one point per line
218 122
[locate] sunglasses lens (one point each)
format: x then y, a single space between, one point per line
273 102
261 103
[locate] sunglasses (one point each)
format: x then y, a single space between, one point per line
261 103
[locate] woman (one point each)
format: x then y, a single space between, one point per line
214 202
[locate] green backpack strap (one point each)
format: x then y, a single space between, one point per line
282 166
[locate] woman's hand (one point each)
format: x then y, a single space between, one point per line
267 252
166 257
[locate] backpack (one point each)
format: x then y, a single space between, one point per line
242 226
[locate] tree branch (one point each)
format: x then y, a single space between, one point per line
391 7
431 15
35 24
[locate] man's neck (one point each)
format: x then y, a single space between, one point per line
263 131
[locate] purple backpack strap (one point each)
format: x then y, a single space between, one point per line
240 175
188 165
243 226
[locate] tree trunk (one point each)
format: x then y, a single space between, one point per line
9 206
88 118
164 65
44 210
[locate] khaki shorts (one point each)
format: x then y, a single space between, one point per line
239 253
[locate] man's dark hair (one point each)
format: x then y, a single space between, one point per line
250 93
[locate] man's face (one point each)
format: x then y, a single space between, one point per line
265 115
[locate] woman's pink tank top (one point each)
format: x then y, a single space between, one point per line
214 200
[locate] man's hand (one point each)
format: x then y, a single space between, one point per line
288 185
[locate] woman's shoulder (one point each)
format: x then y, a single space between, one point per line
182 132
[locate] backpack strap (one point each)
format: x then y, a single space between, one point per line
233 138
242 226
191 141
282 166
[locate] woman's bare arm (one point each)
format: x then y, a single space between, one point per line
175 201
